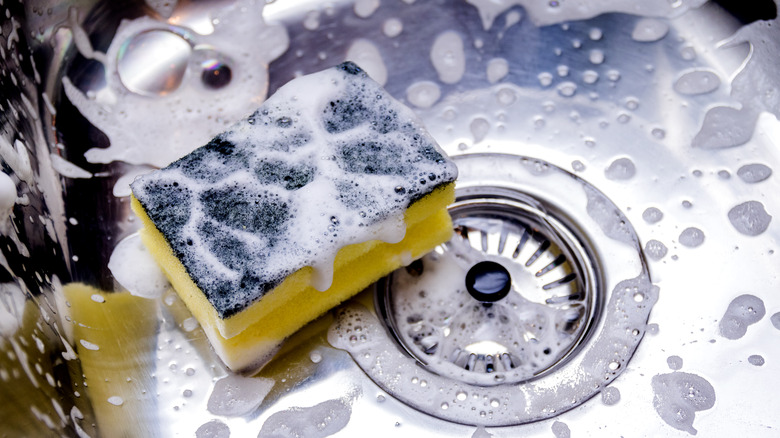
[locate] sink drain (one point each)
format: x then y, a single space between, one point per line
536 304
507 299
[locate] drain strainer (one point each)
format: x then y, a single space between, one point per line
537 302
508 298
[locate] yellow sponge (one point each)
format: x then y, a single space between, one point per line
328 186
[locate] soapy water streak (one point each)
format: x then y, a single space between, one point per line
754 88
543 13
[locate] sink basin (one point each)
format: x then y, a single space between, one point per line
616 165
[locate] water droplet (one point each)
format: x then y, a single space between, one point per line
213 429
567 89
116 400
577 166
652 215
688 53
775 320
620 169
756 359
445 406
545 78
312 20
448 57
423 94
590 76
691 237
189 324
750 218
697 82
596 57
215 74
315 356
610 396
479 128
595 34
562 70
506 96
658 133
649 29
560 430
754 173
461 396
613 75
655 250
497 69
89 345
392 27
365 8
674 362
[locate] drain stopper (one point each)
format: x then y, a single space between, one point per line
488 282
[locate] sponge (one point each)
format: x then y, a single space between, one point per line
328 186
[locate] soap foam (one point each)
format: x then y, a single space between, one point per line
123 115
134 268
750 218
234 395
743 311
678 396
318 421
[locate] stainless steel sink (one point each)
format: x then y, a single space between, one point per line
616 159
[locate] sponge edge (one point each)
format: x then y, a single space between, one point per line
268 322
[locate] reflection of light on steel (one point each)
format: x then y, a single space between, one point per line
153 63
678 186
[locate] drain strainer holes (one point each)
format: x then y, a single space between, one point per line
505 300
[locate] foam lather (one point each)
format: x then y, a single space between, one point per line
328 186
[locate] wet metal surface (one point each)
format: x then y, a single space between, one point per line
665 121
